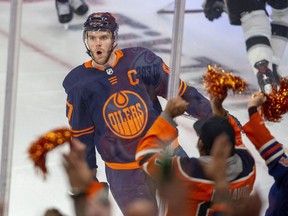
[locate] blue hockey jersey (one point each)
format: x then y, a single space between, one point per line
113 108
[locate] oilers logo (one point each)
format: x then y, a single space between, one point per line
126 114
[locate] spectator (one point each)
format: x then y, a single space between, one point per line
90 197
188 172
273 153
216 170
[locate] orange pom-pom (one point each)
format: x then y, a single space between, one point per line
49 141
217 82
276 104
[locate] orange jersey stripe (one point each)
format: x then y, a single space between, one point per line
123 166
182 88
77 133
70 110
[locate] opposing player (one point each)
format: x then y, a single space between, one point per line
112 100
66 8
265 36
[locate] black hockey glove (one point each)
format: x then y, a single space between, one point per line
213 9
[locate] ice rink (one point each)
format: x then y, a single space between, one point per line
48 51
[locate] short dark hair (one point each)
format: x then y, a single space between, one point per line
209 129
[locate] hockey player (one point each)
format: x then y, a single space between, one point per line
112 100
189 173
274 155
265 40
66 8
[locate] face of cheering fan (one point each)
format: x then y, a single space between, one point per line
101 45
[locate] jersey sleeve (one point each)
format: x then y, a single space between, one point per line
268 147
81 124
199 105
238 130
148 153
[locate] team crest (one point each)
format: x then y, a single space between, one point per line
126 114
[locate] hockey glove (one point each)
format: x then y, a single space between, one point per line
213 9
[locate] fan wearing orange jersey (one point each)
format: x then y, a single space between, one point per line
188 172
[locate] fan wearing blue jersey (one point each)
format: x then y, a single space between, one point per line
274 155
112 100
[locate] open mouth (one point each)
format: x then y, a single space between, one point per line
99 53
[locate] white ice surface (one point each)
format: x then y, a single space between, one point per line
48 52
